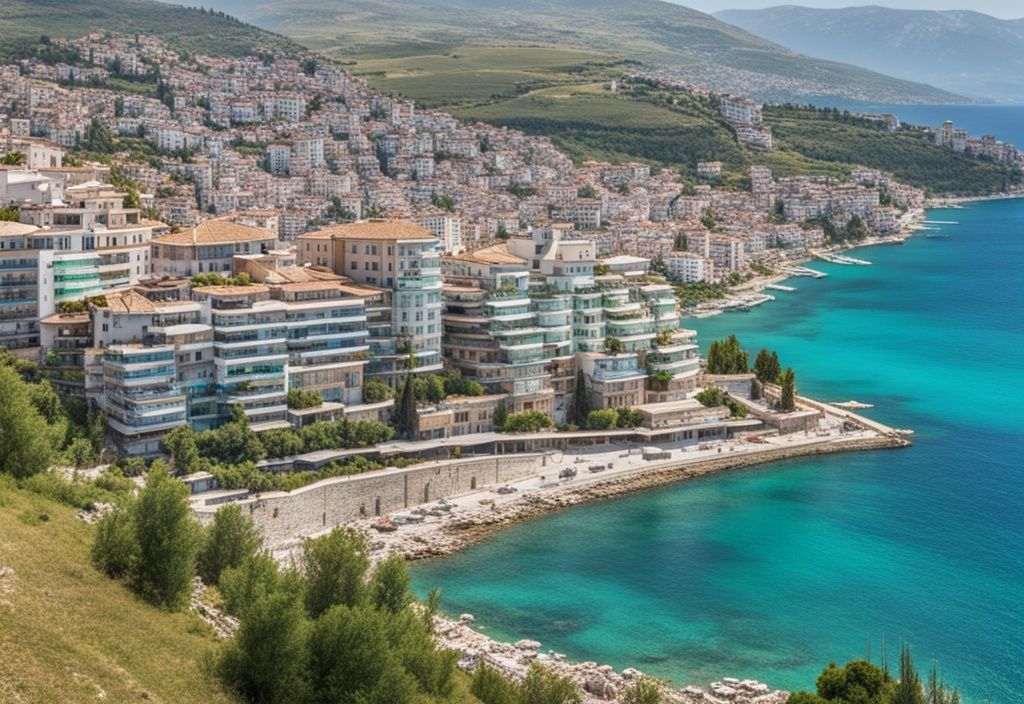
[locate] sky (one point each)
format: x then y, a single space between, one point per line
1007 9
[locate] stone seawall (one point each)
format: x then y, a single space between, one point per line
470 529
285 516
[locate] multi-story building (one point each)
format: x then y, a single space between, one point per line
740 111
143 400
403 258
690 267
447 229
208 247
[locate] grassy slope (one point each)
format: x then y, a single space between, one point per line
68 633
22 22
652 31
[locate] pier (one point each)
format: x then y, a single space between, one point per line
803 271
940 222
842 259
780 287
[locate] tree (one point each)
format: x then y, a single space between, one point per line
542 686
756 390
334 565
601 419
491 688
267 661
406 416
167 536
231 540
281 442
787 391
180 443
908 689
115 549
375 391
13 159
726 357
352 660
80 453
234 441
500 416
613 345
645 690
26 441
299 399
389 586
580 407
766 366
243 585
526 422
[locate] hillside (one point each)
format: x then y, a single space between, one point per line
692 45
70 634
23 22
966 52
675 129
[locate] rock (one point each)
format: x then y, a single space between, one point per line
526 644
466 618
630 673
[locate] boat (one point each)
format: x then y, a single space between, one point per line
853 404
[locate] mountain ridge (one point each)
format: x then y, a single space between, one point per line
963 51
695 46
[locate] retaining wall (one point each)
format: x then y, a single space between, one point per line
286 515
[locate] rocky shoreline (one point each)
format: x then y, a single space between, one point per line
597 683
462 531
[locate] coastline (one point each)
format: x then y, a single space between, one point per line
462 529
473 518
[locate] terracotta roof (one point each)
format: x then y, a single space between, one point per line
58 318
16 228
129 302
216 232
374 230
495 254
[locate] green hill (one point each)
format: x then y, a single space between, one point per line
23 22
693 45
70 634
676 129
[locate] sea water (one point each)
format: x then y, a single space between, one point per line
771 572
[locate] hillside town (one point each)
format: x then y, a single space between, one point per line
265 225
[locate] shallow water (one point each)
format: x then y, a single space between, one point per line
771 572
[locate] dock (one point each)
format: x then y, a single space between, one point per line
842 259
780 287
940 222
803 271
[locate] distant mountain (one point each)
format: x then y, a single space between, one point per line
693 45
23 22
962 51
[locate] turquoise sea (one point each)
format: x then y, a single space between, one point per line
771 572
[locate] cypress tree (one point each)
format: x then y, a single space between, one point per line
579 399
787 397
909 690
406 420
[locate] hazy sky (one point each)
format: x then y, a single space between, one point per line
998 8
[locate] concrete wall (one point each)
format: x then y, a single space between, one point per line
284 516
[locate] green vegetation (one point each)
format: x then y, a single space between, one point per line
909 153
299 399
525 422
26 25
332 630
861 682
610 418
766 366
714 396
60 616
727 357
39 428
231 451
230 540
441 32
375 391
540 686
214 279
787 391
